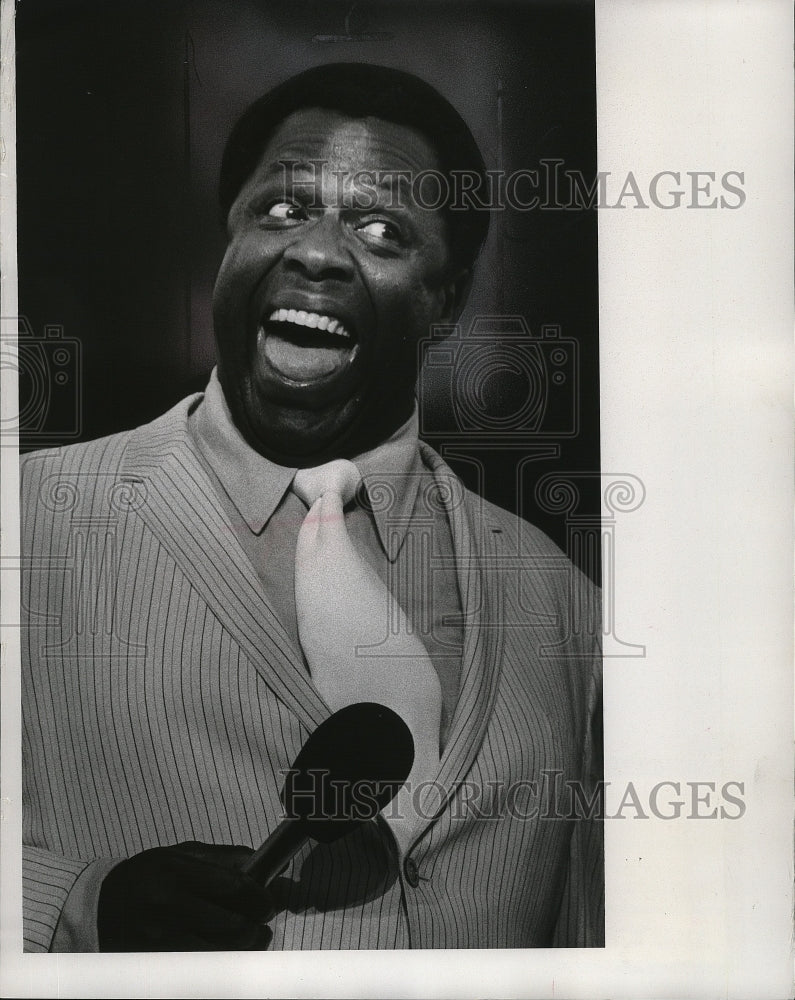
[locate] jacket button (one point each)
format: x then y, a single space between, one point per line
412 872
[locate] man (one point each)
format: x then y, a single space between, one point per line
253 584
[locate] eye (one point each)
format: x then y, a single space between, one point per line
287 211
381 230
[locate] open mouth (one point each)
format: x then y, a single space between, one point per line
305 346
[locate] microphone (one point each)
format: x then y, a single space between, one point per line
349 769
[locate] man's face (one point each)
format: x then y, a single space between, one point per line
327 284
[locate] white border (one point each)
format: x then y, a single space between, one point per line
696 315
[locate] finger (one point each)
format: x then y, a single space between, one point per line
181 941
278 893
229 887
259 940
191 942
229 856
217 926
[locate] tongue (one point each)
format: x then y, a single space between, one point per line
305 355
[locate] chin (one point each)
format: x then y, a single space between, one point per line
298 436
290 433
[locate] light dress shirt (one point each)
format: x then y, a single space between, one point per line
266 516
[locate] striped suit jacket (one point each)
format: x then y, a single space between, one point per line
163 700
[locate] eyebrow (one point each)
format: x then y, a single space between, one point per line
284 162
386 180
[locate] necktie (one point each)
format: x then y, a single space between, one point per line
356 637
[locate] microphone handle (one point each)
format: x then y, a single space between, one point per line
273 856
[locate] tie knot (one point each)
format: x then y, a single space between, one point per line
340 476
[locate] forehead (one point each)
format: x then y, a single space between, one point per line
349 144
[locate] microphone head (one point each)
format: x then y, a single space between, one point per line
349 769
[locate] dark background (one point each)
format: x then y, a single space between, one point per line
122 111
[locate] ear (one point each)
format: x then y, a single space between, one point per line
455 292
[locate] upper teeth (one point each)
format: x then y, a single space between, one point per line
311 319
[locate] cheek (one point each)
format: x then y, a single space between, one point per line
240 270
412 296
226 281
405 322
411 316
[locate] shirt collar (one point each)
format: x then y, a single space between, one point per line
256 485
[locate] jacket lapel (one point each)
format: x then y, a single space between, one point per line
181 510
477 550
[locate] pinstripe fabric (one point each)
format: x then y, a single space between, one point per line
163 699
46 882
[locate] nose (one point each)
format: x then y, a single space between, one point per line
319 252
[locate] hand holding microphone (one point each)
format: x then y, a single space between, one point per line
203 897
186 897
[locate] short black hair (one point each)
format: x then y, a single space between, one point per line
360 90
